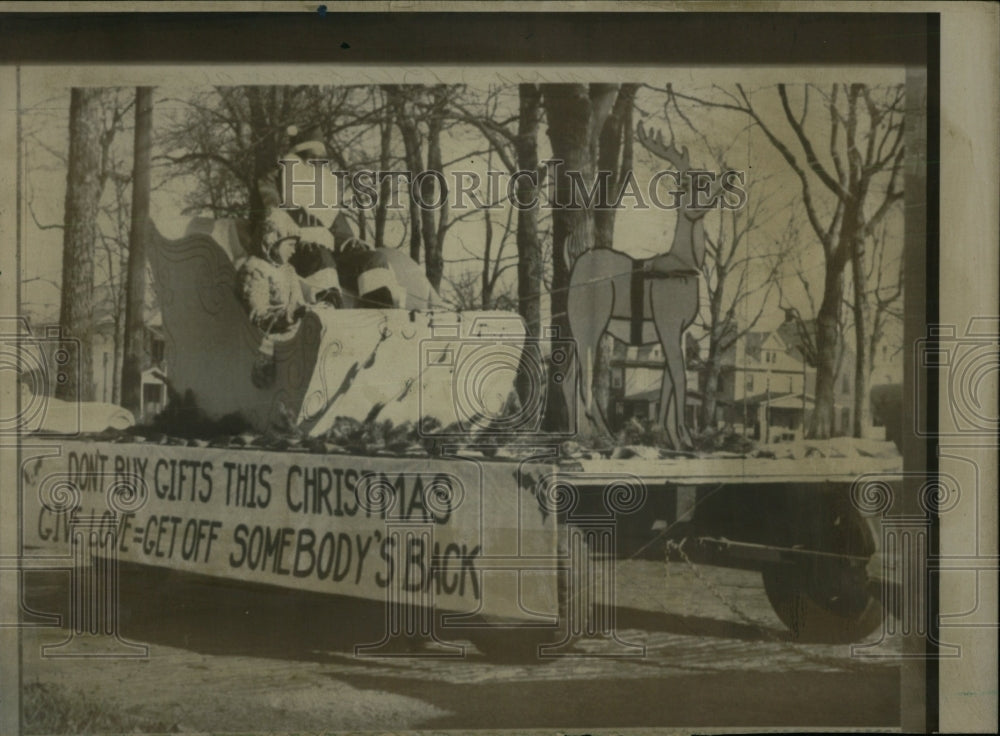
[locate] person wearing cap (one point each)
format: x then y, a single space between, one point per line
313 257
271 291
268 286
334 263
328 244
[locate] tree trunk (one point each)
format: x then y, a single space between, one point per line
615 156
567 110
83 194
135 284
575 115
529 250
710 386
362 225
414 163
434 219
116 363
385 187
265 159
860 311
718 330
487 284
827 348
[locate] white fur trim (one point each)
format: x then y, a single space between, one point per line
399 296
377 278
318 235
315 147
325 278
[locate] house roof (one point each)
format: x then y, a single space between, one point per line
763 397
653 395
650 355
790 335
783 400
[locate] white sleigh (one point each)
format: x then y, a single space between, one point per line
393 364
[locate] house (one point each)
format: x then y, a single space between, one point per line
636 381
38 372
768 388
107 367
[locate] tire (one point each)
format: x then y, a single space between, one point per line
827 599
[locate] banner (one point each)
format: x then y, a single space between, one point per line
445 532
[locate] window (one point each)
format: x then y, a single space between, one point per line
845 384
152 393
749 383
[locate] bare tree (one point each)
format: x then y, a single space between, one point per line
229 139
135 284
877 289
576 114
385 124
90 137
529 250
739 280
513 138
112 266
413 156
484 288
864 156
429 209
614 156
883 276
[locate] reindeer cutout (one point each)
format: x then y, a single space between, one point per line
640 301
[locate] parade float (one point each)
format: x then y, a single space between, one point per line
379 458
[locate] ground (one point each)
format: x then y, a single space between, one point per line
266 659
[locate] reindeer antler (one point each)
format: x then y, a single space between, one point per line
681 159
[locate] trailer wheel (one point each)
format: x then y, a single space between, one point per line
828 599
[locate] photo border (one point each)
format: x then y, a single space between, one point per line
630 36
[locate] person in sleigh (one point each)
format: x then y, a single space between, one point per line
335 265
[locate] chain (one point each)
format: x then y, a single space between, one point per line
788 646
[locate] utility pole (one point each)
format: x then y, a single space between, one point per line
803 394
767 404
135 286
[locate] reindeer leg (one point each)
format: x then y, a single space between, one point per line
689 288
665 415
589 306
670 330
680 403
668 392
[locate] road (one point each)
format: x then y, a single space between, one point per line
266 659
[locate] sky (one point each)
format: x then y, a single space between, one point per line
639 232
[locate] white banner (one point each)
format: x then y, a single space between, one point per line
369 527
